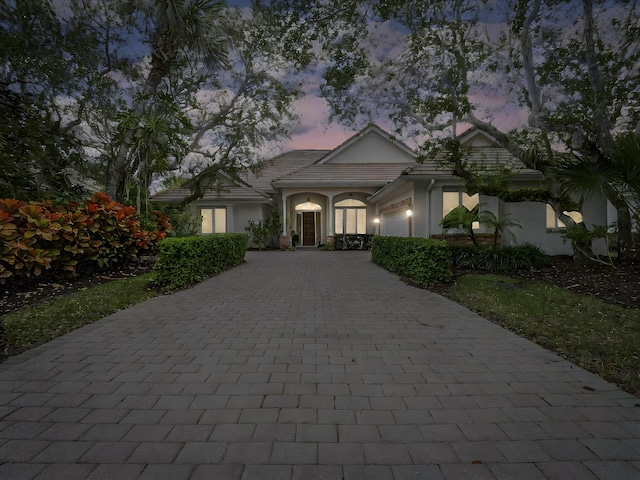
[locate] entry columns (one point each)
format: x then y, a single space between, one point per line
330 233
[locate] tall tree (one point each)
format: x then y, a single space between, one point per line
151 87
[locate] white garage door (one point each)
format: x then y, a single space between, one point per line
394 223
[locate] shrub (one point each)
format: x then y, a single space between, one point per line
423 261
61 239
353 242
187 260
505 259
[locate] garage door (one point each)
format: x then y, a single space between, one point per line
394 223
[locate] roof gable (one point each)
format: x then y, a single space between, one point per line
477 138
371 145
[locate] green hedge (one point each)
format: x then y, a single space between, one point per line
505 259
186 260
423 261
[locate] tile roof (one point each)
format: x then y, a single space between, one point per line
237 192
282 165
488 157
344 175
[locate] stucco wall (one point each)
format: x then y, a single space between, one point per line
532 216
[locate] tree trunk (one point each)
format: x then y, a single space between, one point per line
161 59
625 234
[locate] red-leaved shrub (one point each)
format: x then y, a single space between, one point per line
64 239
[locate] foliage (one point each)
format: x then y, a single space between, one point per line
500 226
63 239
552 92
184 261
461 218
504 259
182 220
263 232
36 156
352 242
128 91
34 325
580 236
602 338
423 261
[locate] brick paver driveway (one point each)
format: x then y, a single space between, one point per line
308 365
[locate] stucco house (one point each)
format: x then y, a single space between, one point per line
371 184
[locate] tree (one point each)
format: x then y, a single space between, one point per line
432 66
152 88
39 154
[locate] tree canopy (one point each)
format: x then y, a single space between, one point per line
142 89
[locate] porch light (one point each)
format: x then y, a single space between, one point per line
409 213
376 220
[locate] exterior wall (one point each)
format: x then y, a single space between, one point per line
532 216
243 213
238 214
596 213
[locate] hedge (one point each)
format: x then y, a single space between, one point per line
503 259
421 260
187 260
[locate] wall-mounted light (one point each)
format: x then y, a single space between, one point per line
409 213
376 220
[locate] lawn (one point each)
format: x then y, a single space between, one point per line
37 324
600 337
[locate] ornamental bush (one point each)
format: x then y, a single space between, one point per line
421 260
186 260
505 259
38 238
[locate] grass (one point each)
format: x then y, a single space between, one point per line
34 325
601 338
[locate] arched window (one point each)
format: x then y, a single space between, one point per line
350 217
308 207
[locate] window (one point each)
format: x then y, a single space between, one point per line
554 223
351 217
451 200
214 220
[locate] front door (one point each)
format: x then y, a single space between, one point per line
308 229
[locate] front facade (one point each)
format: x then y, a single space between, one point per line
372 185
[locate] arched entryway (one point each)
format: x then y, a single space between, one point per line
308 222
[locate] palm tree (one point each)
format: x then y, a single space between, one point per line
615 175
462 218
174 26
500 226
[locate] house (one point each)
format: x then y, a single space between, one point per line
372 184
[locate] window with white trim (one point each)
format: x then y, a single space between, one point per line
350 217
451 200
554 223
214 220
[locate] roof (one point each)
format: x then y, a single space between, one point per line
237 192
283 165
344 175
487 157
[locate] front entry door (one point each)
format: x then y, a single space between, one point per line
308 229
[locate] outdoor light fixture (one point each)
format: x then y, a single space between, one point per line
409 213
376 220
